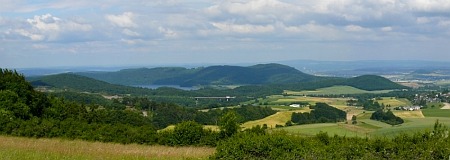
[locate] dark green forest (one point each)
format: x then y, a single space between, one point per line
321 113
386 117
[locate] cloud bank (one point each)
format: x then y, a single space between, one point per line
147 32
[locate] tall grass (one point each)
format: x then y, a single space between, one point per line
15 148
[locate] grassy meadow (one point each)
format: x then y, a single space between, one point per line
13 148
437 111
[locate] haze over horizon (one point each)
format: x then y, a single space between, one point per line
120 33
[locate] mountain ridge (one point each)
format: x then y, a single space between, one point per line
212 75
273 75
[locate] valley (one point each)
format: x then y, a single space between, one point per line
300 107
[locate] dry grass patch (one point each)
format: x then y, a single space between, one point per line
393 102
28 148
409 114
446 106
279 118
171 127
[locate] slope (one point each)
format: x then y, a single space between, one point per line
372 82
84 84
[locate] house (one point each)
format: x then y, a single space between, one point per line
295 105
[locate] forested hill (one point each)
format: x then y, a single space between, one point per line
83 84
213 75
372 82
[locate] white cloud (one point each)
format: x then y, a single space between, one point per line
355 28
47 27
168 33
313 31
124 20
444 23
40 46
243 28
34 37
387 29
422 20
45 23
258 11
429 5
130 33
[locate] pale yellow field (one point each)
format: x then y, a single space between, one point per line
409 114
30 149
446 106
279 118
393 102
212 127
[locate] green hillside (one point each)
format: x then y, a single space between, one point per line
139 76
213 75
372 82
83 84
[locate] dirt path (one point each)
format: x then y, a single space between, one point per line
447 106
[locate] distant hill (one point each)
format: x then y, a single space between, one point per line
213 75
372 82
81 83
258 80
139 76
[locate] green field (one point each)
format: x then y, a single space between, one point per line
368 128
335 90
17 148
443 83
436 112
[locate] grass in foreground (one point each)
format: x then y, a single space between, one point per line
30 149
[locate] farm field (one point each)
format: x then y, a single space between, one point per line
436 112
30 149
335 90
394 102
279 118
414 122
285 100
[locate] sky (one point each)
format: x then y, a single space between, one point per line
47 33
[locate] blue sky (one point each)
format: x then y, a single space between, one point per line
116 32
